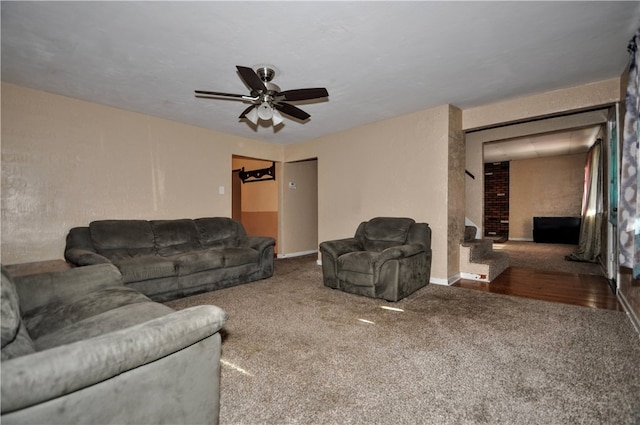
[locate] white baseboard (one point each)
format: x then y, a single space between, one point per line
446 282
298 254
521 239
473 276
635 321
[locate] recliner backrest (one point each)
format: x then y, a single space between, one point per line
420 233
381 233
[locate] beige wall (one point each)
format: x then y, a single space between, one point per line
299 208
551 186
571 99
66 162
396 167
456 192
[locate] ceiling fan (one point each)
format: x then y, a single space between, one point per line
267 101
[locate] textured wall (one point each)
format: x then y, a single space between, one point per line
456 194
66 162
551 186
299 207
570 99
396 167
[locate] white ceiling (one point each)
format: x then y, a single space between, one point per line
376 59
539 146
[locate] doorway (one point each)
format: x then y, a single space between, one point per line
255 201
538 173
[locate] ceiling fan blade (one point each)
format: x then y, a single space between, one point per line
242 115
251 78
304 94
215 93
294 111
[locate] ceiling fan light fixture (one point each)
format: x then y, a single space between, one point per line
277 118
252 116
265 111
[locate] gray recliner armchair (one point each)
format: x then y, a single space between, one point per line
388 258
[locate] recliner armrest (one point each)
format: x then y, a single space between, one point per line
400 251
339 247
48 374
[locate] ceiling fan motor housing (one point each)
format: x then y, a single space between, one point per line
265 73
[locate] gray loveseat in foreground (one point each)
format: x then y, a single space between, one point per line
166 259
78 347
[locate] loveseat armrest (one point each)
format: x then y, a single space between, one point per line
339 247
41 289
84 257
260 243
49 374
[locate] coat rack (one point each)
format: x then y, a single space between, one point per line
260 175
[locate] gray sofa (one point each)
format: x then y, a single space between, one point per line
166 259
388 258
80 347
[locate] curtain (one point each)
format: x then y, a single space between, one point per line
592 205
629 209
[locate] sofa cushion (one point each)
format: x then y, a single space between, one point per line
198 261
144 268
358 261
15 338
381 233
122 238
240 256
107 321
175 236
53 317
357 268
218 232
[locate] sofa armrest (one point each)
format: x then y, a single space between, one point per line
260 243
84 257
46 375
338 247
41 289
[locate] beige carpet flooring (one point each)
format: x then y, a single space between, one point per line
296 352
545 256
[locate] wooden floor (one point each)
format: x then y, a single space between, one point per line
577 289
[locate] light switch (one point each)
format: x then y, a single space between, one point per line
221 190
